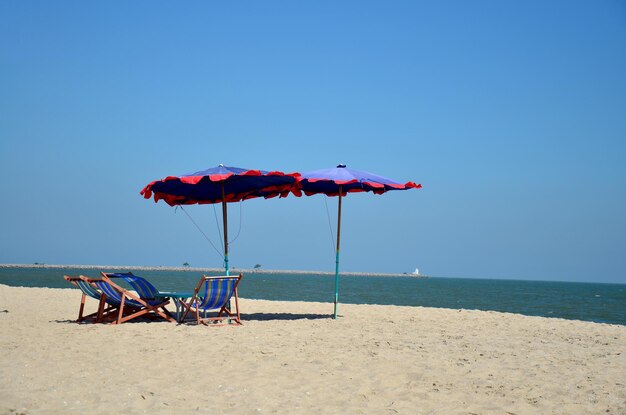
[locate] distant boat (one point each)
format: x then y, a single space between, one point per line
416 272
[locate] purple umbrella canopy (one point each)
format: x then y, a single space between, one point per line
340 181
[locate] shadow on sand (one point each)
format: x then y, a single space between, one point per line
283 316
244 318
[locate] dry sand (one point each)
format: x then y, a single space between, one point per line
290 357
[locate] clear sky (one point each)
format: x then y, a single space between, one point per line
511 114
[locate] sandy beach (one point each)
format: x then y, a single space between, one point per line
290 357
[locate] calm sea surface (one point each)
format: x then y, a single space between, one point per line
603 303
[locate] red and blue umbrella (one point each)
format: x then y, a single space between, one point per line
220 184
340 181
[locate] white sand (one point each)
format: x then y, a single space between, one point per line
290 357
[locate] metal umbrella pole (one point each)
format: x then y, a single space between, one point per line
225 219
337 255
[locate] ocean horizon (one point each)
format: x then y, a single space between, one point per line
586 301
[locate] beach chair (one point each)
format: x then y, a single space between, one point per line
213 295
88 290
147 302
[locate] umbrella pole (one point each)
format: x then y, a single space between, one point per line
225 218
337 255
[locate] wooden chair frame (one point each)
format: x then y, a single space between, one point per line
102 311
223 312
127 312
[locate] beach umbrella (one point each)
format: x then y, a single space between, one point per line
339 182
220 184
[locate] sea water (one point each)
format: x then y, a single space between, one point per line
602 303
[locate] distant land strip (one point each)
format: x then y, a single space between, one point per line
212 270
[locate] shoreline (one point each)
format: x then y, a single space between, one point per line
212 270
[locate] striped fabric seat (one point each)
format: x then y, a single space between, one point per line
113 296
88 289
147 302
214 294
143 287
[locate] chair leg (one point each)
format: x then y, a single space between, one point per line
82 307
237 307
229 313
132 316
101 310
121 312
187 308
166 311
135 312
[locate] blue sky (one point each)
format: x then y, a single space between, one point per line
511 114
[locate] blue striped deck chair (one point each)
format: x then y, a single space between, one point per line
88 290
147 302
213 295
